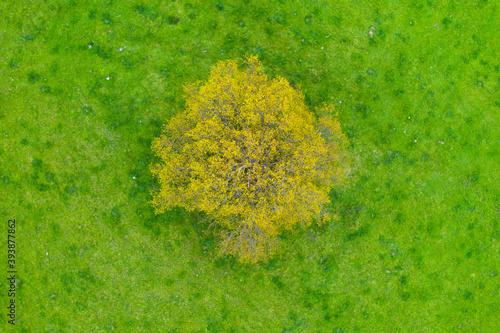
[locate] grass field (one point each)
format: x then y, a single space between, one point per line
85 86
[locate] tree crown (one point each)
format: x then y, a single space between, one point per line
249 154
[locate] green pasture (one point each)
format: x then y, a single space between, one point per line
85 86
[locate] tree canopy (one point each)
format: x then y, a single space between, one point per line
249 154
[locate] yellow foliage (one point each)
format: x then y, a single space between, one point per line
249 153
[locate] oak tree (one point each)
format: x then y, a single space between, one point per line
249 154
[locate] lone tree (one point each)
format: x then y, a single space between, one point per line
249 154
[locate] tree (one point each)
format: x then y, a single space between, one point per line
248 153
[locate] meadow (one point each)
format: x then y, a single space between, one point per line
85 87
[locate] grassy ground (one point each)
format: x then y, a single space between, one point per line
86 85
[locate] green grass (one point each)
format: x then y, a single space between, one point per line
416 244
